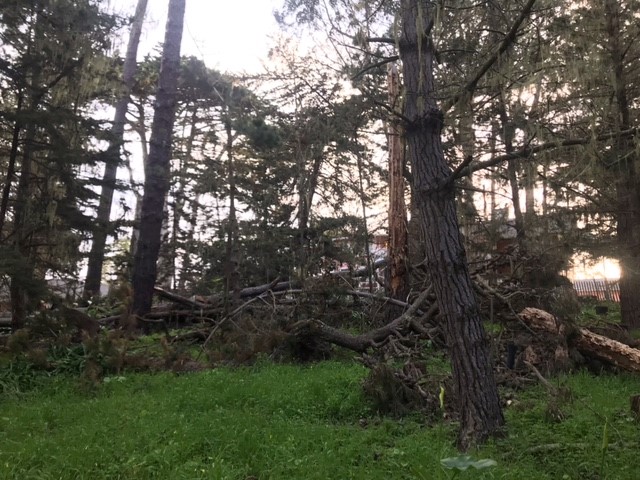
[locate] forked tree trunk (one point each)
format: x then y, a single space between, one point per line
157 173
476 390
96 256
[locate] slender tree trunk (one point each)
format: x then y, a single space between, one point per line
11 168
476 390
508 134
158 171
529 189
628 184
141 129
365 222
180 201
398 234
531 175
232 268
186 273
307 184
492 146
521 271
112 159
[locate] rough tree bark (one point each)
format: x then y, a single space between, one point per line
476 390
589 343
96 256
398 235
158 169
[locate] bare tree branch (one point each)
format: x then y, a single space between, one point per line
387 40
375 65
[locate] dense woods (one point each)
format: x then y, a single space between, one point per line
477 148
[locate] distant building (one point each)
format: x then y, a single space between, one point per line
598 288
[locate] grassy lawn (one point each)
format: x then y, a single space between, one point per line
293 422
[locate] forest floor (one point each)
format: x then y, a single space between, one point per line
271 421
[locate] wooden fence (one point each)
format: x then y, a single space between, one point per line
602 289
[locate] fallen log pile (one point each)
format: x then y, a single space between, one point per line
586 342
540 338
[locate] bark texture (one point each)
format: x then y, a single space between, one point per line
589 343
158 169
398 235
481 413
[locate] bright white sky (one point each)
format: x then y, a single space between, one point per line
231 35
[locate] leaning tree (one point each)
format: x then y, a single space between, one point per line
157 168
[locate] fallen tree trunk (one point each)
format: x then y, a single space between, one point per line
608 350
174 297
585 341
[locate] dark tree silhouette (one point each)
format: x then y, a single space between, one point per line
157 169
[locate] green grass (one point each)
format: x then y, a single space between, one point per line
293 422
538 447
588 315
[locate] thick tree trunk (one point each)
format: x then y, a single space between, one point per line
628 216
158 171
96 256
398 235
476 390
628 184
